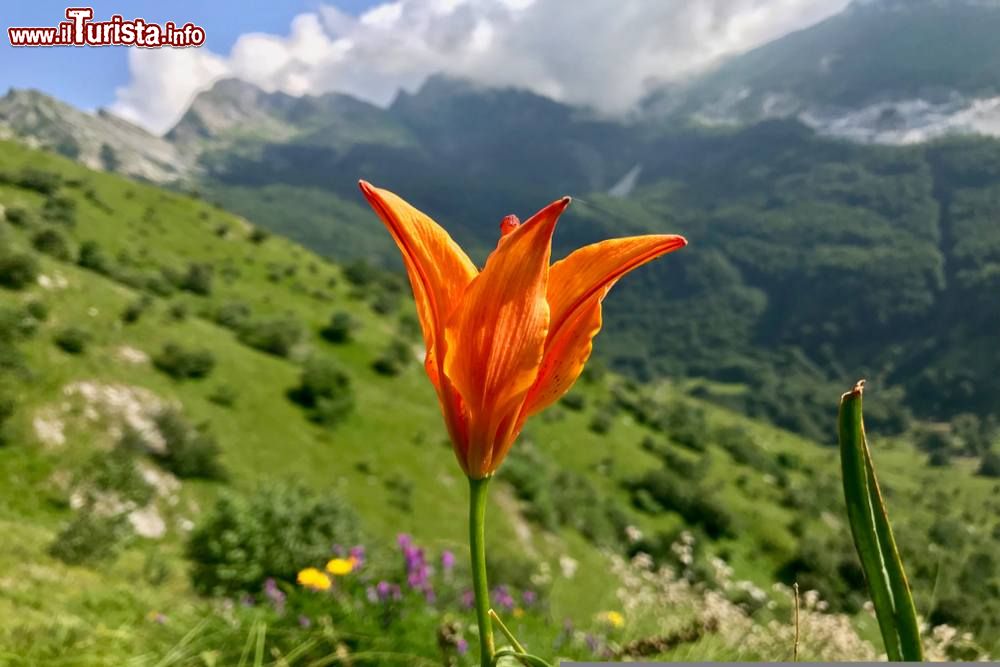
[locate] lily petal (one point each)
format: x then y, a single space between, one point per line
495 339
576 287
439 270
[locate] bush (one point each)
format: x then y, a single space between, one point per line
394 358
276 335
190 451
198 279
18 216
37 310
43 182
135 310
60 209
259 235
274 532
340 328
601 422
224 395
114 472
7 407
90 538
574 401
92 257
990 465
178 312
72 340
17 270
324 390
360 273
671 492
233 315
52 243
179 362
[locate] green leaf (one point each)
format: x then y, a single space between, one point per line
873 538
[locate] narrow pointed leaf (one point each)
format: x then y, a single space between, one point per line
899 585
862 520
883 570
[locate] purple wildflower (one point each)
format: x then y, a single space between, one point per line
404 541
304 621
502 598
529 598
357 554
275 595
447 561
468 599
461 646
386 591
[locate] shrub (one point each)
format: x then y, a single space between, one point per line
324 390
259 235
114 472
52 243
224 395
60 209
18 216
408 326
385 303
574 401
272 533
7 406
178 311
37 310
601 422
179 362
90 538
43 182
198 279
17 270
190 451
276 335
93 257
672 492
990 465
394 358
72 340
360 273
233 315
135 309
340 328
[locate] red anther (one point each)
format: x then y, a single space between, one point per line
509 224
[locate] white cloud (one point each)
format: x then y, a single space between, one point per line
602 53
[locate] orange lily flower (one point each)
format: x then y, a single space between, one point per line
506 342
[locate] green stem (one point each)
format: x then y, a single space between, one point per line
477 548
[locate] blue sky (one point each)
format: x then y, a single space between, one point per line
88 77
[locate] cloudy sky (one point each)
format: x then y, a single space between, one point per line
603 53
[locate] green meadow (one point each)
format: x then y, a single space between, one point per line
132 314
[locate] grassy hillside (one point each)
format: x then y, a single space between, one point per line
141 324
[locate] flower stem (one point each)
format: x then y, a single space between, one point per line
477 548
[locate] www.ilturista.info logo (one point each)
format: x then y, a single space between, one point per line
81 30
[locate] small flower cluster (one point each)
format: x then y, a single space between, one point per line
418 572
319 580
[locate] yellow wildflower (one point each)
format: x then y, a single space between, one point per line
338 567
315 579
612 618
518 612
